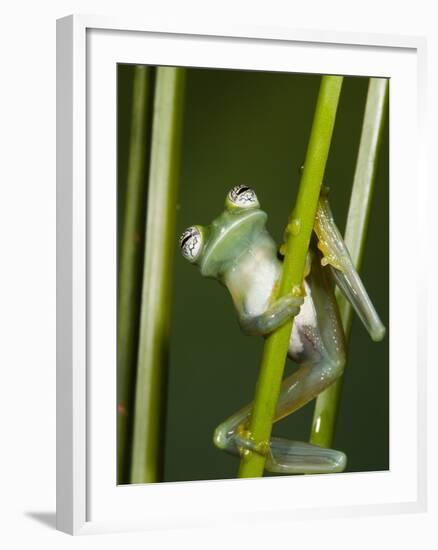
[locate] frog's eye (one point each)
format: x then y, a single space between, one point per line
191 243
243 197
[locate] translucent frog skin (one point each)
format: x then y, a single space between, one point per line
237 250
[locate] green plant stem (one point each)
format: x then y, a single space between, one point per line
327 404
159 249
298 237
129 276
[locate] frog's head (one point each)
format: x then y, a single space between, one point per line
215 247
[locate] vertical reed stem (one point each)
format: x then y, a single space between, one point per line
156 299
327 404
298 237
130 261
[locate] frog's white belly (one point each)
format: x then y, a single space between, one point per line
258 297
305 322
260 286
256 276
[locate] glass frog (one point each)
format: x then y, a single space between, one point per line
237 250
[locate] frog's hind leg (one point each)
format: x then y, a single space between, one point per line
318 347
282 455
337 257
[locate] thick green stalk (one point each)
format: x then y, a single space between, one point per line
155 307
130 261
327 404
298 237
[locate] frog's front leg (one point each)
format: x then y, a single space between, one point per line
281 310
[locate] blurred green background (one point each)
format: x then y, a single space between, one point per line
252 128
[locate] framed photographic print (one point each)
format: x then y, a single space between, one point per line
282 165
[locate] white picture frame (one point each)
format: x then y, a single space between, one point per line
88 49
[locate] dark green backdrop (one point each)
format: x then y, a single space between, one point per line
252 128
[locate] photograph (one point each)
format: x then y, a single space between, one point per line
276 186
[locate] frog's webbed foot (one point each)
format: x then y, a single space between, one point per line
337 256
284 456
294 457
281 310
